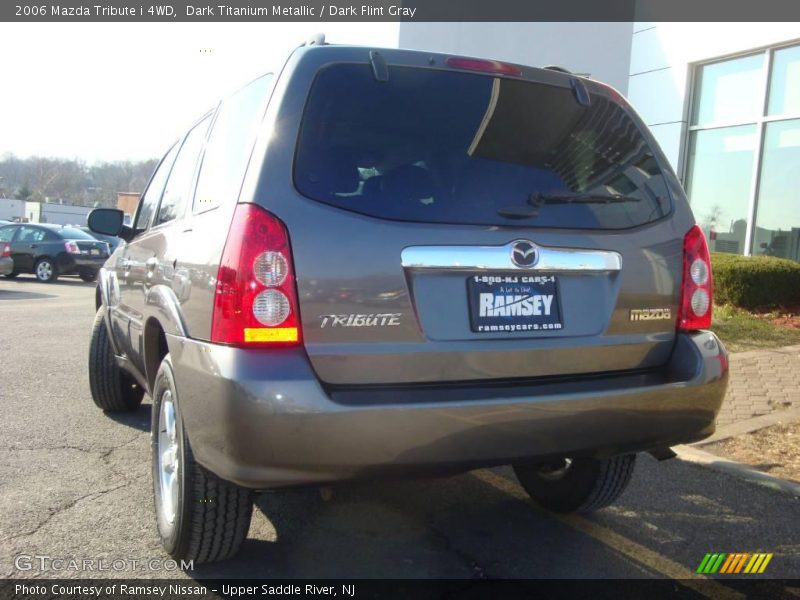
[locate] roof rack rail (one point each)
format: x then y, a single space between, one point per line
318 39
557 68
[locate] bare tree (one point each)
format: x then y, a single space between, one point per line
73 181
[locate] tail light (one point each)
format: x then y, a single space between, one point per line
694 311
256 300
6 250
72 247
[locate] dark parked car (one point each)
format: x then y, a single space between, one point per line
49 251
112 240
549 294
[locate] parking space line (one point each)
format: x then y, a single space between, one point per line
632 550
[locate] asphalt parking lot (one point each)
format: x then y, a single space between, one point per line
75 483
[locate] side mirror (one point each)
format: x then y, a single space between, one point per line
108 221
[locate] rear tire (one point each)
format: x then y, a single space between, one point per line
579 485
200 517
46 270
112 388
88 276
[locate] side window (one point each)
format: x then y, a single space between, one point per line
6 233
179 184
230 144
153 193
31 234
50 236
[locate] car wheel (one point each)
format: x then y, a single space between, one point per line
577 485
200 517
112 388
46 270
88 276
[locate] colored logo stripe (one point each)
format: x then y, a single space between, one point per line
711 563
737 562
758 563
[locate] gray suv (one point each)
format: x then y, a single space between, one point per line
385 263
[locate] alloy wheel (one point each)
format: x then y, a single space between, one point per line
169 463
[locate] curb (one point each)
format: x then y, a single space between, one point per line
750 425
739 470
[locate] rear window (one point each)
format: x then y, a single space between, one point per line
70 233
448 147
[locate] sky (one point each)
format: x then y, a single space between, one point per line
125 91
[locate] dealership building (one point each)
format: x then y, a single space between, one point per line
723 100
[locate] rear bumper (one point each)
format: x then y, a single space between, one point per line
260 418
6 265
75 263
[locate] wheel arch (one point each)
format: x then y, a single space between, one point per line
155 348
101 296
164 306
41 257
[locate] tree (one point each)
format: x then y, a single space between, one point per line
23 193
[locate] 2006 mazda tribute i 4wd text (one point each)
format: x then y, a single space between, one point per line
383 263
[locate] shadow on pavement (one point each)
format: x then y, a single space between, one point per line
460 527
137 419
15 295
454 527
64 280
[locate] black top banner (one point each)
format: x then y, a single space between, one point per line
399 10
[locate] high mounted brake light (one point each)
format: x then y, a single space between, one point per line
694 311
486 66
256 301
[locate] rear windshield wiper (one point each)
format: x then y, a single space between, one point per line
538 199
518 213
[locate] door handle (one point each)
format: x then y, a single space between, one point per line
34 245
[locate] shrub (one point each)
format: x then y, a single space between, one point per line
755 281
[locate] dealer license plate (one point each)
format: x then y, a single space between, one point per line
510 303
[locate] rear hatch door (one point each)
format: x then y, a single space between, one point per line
453 226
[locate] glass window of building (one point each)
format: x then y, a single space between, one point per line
743 149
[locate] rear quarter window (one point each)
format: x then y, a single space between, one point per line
440 146
230 145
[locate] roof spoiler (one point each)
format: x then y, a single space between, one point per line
578 88
318 39
557 68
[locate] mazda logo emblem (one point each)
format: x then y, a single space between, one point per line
524 254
